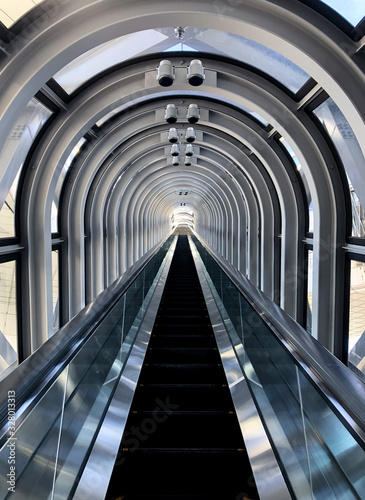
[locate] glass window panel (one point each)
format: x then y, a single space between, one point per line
309 290
357 318
10 12
55 289
8 315
181 46
352 10
351 155
57 195
104 56
358 216
299 168
253 53
12 158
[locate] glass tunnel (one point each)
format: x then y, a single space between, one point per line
182 192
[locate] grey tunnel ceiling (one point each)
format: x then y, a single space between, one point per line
263 175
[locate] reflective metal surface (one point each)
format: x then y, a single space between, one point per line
268 477
325 369
319 453
96 476
46 359
53 439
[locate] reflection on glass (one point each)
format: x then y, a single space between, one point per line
352 10
55 289
356 347
8 317
309 291
347 145
12 158
59 186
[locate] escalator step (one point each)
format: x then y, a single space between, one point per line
185 472
174 429
181 355
188 398
163 340
183 374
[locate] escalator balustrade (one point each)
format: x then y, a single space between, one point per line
182 438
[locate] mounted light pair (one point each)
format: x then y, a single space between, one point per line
175 150
192 114
176 161
166 74
173 135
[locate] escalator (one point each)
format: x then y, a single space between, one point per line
143 370
182 438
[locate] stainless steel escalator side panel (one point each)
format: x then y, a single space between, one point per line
95 478
267 474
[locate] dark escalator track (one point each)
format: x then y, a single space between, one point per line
182 437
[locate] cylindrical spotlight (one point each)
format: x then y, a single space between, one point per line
171 113
193 114
189 151
175 150
173 135
175 161
187 161
165 73
190 135
196 73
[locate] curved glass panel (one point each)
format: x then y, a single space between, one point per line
10 12
343 137
12 158
352 10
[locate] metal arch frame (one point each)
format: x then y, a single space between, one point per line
107 184
250 215
114 201
115 128
219 202
232 208
250 176
284 28
319 249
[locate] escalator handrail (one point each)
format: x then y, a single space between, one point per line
337 379
31 378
